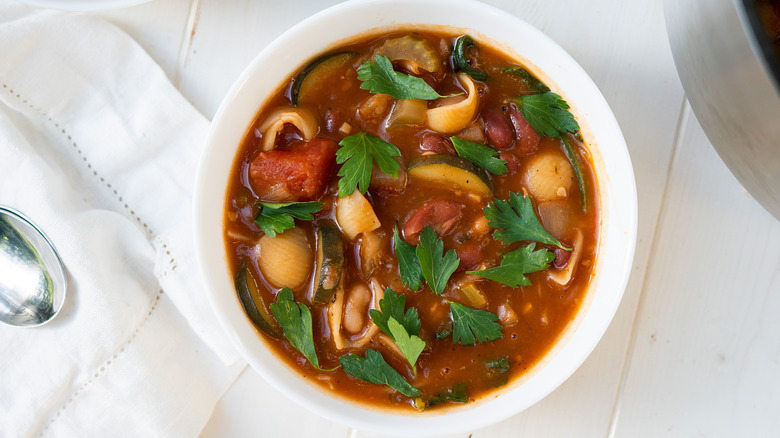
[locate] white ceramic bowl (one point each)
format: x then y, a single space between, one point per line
544 58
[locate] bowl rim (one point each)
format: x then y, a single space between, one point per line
618 213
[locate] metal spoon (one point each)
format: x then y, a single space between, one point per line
32 276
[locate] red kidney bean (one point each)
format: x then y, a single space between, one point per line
527 139
440 214
512 162
470 254
561 258
432 142
497 128
333 120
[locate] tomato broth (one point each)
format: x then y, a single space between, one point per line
350 266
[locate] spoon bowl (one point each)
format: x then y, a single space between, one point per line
32 276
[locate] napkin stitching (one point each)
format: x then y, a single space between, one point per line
149 231
103 369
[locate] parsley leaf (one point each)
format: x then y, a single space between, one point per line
435 270
402 328
410 345
374 369
483 155
517 221
534 85
516 264
457 393
470 325
497 371
275 218
392 306
408 265
379 77
357 154
295 320
548 114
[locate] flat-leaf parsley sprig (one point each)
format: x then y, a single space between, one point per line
548 114
408 265
436 267
516 264
357 155
516 221
485 156
380 77
295 320
473 325
275 218
402 328
374 369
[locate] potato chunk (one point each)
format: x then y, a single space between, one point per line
548 176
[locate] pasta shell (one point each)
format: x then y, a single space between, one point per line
301 118
355 215
285 260
449 119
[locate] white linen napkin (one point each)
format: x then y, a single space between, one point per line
99 149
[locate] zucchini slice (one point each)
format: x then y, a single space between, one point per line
329 261
456 172
246 286
416 54
316 72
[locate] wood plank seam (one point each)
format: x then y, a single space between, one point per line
185 45
682 122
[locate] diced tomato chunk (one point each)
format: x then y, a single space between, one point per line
441 215
297 174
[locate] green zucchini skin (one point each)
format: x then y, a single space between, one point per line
461 62
452 161
312 67
243 287
330 261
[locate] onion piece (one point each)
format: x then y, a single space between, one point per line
301 118
371 251
452 118
335 313
407 112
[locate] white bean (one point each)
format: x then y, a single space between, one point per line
356 308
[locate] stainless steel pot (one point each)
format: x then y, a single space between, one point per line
731 77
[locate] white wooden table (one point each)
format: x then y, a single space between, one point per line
695 347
